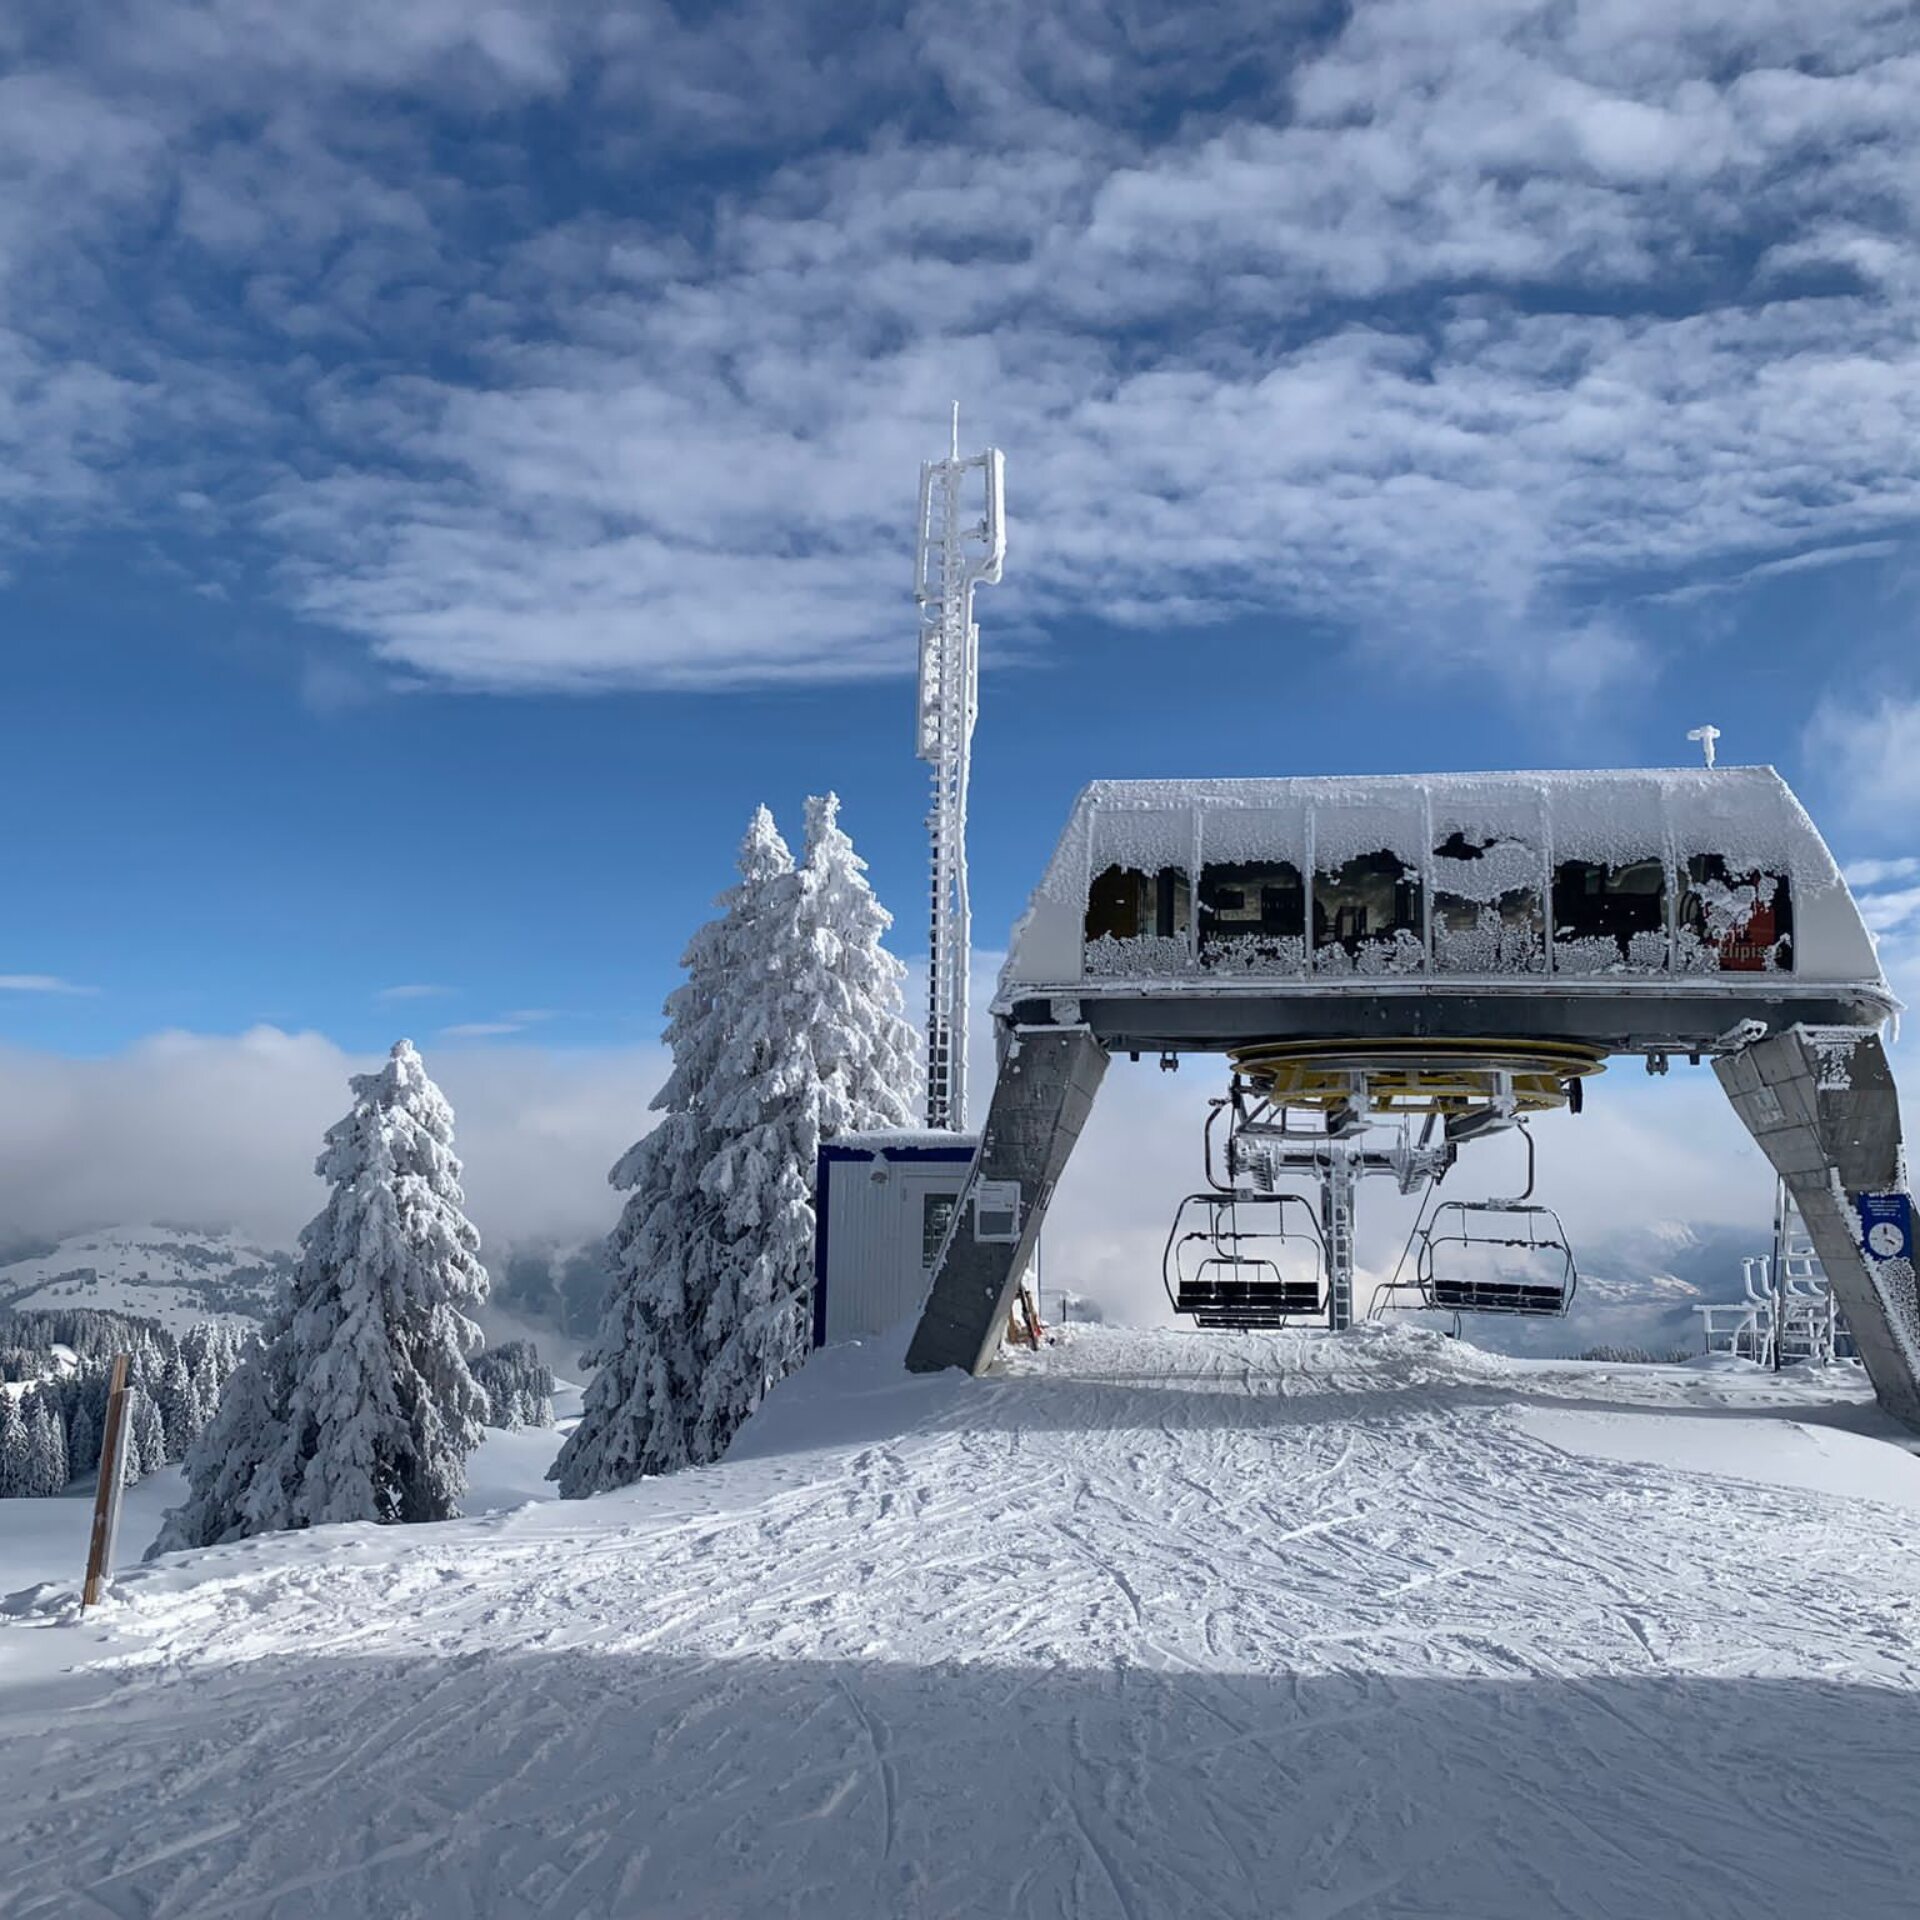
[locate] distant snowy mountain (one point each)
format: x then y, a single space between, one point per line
174 1275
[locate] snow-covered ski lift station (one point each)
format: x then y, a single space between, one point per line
1452 952
1392 969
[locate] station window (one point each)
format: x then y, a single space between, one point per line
1366 915
1126 904
1253 916
1735 920
936 1216
1610 918
1487 910
1139 922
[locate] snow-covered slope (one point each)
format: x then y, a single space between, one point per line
171 1274
1158 1625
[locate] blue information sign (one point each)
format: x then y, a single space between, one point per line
1886 1226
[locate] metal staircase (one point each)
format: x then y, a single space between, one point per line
1787 1314
1807 1319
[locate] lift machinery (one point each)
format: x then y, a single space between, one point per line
1304 1119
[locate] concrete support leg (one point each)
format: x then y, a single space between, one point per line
1822 1104
1048 1078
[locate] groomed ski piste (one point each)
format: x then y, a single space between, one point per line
1150 1624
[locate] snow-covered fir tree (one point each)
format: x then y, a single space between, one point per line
359 1405
664 1252
83 1442
15 1452
173 1395
518 1385
787 1031
72 1387
47 1448
819 1047
146 1436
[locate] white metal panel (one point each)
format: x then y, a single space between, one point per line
876 1270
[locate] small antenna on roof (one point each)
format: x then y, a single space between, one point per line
955 454
1706 736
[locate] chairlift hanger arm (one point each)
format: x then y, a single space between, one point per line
1521 1198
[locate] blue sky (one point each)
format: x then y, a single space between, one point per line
456 460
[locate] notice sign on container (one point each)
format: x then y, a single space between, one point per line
1886 1225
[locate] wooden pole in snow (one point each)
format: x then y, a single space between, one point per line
106 1500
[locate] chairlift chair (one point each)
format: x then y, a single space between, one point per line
1462 1229
1222 1264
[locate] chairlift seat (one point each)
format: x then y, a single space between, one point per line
1498 1296
1226 1272
1469 1225
1229 1293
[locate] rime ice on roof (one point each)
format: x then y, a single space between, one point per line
1651 875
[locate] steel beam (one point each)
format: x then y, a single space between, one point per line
1821 1103
1040 1102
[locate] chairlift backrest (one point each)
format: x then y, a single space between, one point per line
1465 1225
1222 1265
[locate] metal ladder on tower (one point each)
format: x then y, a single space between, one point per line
954 556
1807 1321
1336 1224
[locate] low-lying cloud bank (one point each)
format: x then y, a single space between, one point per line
223 1130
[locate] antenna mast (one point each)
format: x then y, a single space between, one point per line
956 554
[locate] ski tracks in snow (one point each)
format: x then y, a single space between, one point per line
1154 1625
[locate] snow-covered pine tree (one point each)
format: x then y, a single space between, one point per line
59 1452
360 1405
816 1046
867 1058
668 1247
787 1031
233 1450
14 1450
47 1448
83 1442
174 1397
147 1437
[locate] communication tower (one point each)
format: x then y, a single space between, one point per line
962 542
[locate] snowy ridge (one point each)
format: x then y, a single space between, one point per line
1154 1625
174 1275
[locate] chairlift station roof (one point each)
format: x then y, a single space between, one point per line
1647 910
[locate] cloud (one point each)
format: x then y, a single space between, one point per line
225 1129
40 983
1426 325
1876 873
480 1029
1868 747
412 991
1814 560
1892 911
